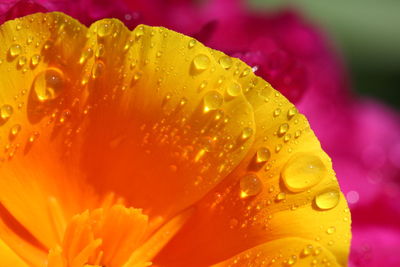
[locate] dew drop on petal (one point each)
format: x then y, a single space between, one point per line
48 84
98 69
327 200
263 154
192 43
14 50
35 59
22 61
281 196
302 172
307 251
331 230
250 185
103 30
6 112
14 131
212 101
283 129
88 53
225 62
247 133
201 62
293 111
234 89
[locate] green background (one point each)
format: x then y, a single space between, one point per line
366 32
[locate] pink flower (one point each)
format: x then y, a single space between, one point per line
361 136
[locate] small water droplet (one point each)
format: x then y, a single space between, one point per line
262 155
32 138
14 131
327 200
331 230
22 61
292 260
14 50
277 112
281 196
104 29
201 62
98 69
292 111
246 72
6 112
48 84
88 53
234 89
35 59
307 251
225 62
212 101
139 32
192 43
283 129
250 185
247 133
302 172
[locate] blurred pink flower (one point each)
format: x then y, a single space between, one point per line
361 136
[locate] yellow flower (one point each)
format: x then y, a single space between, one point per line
125 148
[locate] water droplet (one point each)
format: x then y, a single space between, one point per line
98 69
139 32
297 134
192 43
292 111
22 61
263 155
225 62
302 172
327 200
212 101
35 59
32 138
247 133
246 72
250 185
281 196
234 89
48 84
15 50
201 62
6 112
292 260
277 112
283 129
14 131
331 230
103 30
307 251
88 53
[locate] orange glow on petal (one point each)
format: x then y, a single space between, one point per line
101 119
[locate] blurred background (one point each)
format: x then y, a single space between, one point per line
368 34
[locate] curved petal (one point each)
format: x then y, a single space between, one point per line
284 252
36 178
284 187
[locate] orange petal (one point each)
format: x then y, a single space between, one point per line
9 257
34 172
284 187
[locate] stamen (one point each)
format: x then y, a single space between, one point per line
57 218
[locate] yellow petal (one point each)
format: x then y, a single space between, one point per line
283 252
285 187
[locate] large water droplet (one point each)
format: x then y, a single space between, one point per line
250 185
48 84
201 62
234 89
6 112
327 200
302 172
212 101
14 50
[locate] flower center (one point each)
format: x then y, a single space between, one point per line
101 237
